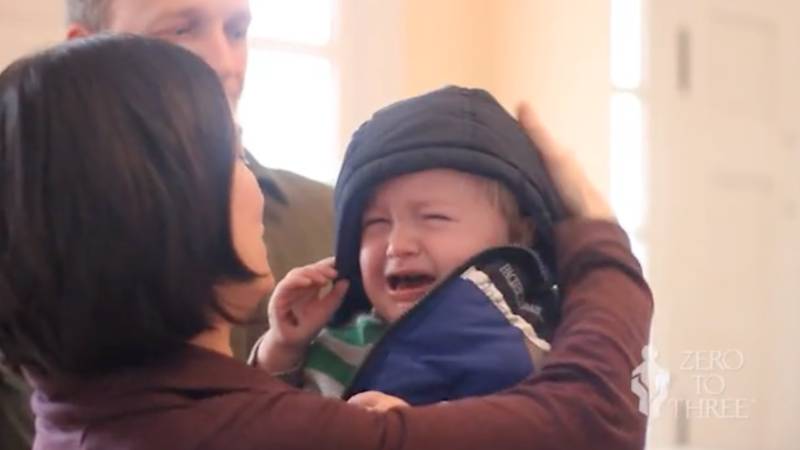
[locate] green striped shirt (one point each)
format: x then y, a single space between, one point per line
337 353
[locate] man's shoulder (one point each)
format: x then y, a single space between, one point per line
290 182
290 188
16 420
298 217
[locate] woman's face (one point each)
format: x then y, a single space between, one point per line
247 231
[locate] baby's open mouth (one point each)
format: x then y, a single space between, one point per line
409 281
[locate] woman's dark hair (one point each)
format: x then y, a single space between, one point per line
116 160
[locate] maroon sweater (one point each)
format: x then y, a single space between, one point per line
579 399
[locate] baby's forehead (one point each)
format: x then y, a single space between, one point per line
435 185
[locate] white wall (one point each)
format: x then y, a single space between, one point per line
372 51
28 25
449 42
553 54
393 49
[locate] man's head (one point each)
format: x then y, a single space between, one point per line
215 30
419 227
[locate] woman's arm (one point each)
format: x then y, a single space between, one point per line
580 399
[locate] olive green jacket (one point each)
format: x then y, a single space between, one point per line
16 420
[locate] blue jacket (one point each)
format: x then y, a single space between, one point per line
467 337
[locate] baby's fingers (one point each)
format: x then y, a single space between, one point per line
320 272
377 401
325 267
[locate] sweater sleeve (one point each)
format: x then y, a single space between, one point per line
579 399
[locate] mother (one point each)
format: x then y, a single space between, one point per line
120 316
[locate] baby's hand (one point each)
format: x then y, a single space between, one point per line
297 312
377 401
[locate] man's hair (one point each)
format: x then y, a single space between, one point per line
116 163
92 14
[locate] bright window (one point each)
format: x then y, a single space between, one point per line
628 126
627 160
289 110
626 44
298 21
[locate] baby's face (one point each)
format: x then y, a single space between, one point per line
419 227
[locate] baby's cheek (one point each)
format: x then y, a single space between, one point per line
366 260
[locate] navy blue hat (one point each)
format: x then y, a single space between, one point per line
454 128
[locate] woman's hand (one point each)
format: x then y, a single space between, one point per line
298 310
377 401
580 197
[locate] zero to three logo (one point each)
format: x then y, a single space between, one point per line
650 383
